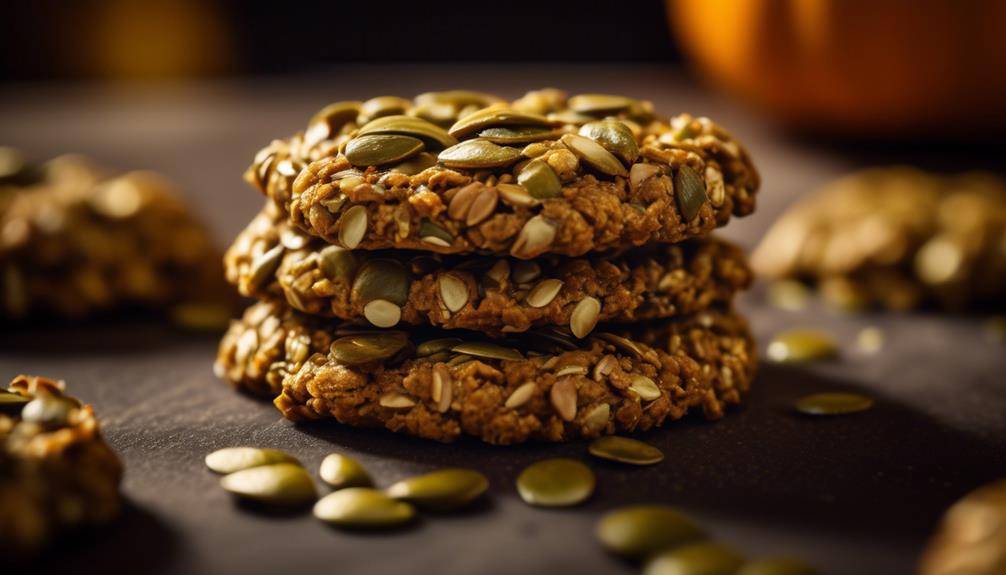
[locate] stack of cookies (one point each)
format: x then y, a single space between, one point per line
458 264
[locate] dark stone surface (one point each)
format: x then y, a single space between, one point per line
851 495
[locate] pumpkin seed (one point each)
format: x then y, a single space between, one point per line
570 117
493 117
540 180
598 104
382 106
432 233
453 292
382 313
695 559
362 507
799 345
642 530
781 566
789 295
441 490
442 387
459 359
381 149
281 484
394 400
515 195
12 403
443 115
534 238
416 164
382 278
340 471
487 350
563 398
584 316
232 459
329 120
639 173
542 294
596 420
264 267
870 339
436 346
594 155
644 387
362 348
352 226
690 191
457 98
47 410
625 450
556 483
833 403
521 395
337 263
520 135
615 136
478 154
433 135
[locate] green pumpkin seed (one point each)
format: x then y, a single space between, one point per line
625 450
384 279
478 154
519 135
459 359
615 136
556 483
329 120
233 459
280 484
417 164
494 117
435 234
263 268
457 98
430 133
362 348
382 106
781 566
381 149
341 471
337 263
599 104
690 191
642 530
47 410
800 345
443 115
540 180
362 508
436 346
695 559
12 403
441 490
834 403
487 350
594 155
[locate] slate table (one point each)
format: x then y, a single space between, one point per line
855 495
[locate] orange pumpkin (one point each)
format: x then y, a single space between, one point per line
862 66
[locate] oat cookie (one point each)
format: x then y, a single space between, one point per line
270 258
462 172
56 472
440 384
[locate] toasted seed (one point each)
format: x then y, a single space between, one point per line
584 316
596 420
563 398
571 370
407 125
644 387
47 410
534 238
615 136
605 367
556 483
525 272
477 154
462 201
340 471
453 292
833 403
436 346
383 106
625 450
362 348
482 206
488 350
441 490
543 293
695 559
780 566
521 395
639 173
434 234
717 190
337 263
232 459
799 345
264 267
381 149
594 154
540 180
498 274
12 403
382 278
394 400
352 226
597 104
640 531
515 195
382 313
442 388
362 507
329 120
283 484
690 191
416 164
493 117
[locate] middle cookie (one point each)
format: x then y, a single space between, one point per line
490 294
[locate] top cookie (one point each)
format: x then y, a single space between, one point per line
464 172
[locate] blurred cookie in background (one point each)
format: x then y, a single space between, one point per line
971 539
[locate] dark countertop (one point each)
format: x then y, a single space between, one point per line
852 495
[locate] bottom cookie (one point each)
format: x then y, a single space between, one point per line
441 384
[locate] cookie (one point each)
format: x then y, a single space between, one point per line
897 238
441 384
74 241
56 471
544 174
270 258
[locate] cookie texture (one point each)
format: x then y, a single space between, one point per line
272 259
442 384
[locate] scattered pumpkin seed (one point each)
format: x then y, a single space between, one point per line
494 117
48 410
382 278
556 483
232 459
340 471
690 191
705 558
584 316
780 566
329 120
599 104
381 149
337 263
12 403
563 396
478 154
487 350
409 126
644 387
833 403
625 450
799 345
594 155
433 346
521 395
453 292
543 293
281 484
352 226
362 348
432 233
362 507
540 180
534 238
264 267
441 490
615 136
642 530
